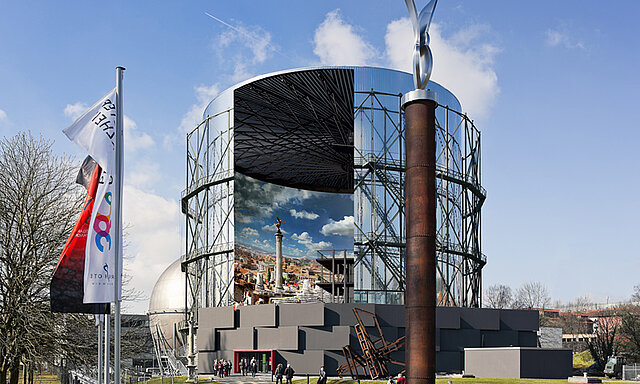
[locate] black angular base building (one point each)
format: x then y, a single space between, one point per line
310 335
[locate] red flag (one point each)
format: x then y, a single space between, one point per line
67 284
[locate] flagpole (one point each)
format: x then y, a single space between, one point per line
118 222
100 330
107 345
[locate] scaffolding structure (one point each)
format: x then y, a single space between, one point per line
379 168
207 204
302 116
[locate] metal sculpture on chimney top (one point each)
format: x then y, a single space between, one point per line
422 59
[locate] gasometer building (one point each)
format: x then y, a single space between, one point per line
320 152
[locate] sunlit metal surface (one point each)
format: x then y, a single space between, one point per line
168 293
422 59
166 309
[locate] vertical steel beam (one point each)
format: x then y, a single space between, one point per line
420 296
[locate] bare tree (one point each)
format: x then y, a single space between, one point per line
498 296
532 295
604 344
630 330
581 303
635 297
38 205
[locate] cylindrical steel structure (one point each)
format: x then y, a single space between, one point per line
420 197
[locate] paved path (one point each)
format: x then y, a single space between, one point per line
236 378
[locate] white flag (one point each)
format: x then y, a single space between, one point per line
95 132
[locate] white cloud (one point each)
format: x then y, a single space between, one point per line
254 38
305 239
248 232
462 62
243 47
204 94
3 115
303 214
75 110
193 117
143 173
154 239
555 38
343 227
134 139
337 43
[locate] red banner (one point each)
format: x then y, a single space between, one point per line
67 284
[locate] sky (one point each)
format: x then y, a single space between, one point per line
553 86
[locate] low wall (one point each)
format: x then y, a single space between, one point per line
519 362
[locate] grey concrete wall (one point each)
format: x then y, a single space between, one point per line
519 320
285 338
517 362
492 362
456 340
389 316
502 338
342 314
302 314
448 361
302 362
332 360
216 317
230 339
206 339
537 363
329 338
479 318
527 339
448 317
263 315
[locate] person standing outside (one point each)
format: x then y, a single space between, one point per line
279 372
253 367
322 377
288 373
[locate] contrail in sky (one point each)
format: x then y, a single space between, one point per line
247 35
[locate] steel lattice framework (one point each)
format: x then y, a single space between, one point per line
379 190
310 129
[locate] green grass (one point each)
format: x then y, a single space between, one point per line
167 380
500 381
177 380
44 378
582 360
446 380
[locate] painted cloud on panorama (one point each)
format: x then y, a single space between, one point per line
303 214
255 198
305 239
343 227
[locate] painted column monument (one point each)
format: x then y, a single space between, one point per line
279 256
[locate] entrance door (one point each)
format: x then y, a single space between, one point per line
263 359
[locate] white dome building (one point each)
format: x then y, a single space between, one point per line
166 311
